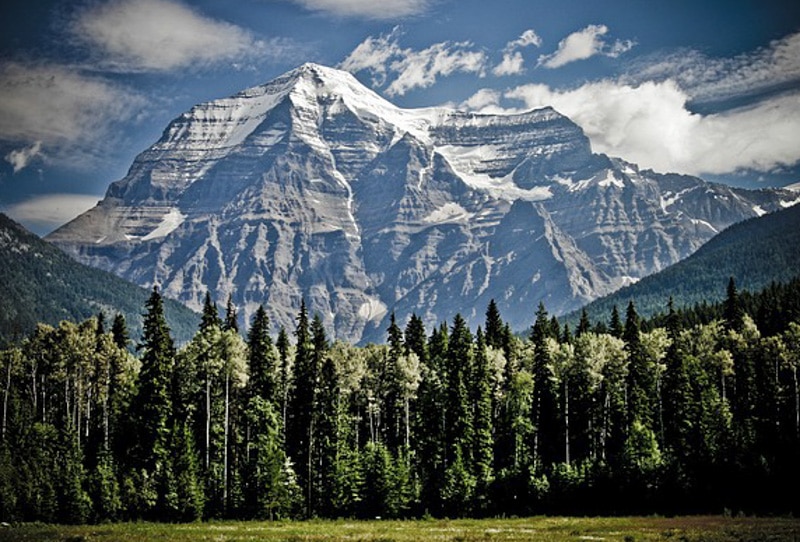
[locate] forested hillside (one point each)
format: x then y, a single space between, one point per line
757 252
42 284
686 413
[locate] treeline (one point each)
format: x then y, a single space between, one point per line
679 414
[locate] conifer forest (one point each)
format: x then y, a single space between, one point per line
693 411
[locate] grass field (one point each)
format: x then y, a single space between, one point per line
682 529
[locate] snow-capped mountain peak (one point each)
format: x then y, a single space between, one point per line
313 186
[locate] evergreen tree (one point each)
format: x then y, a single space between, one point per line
615 325
261 358
482 401
119 330
734 315
584 326
494 326
152 406
210 315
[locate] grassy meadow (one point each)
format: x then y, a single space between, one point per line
550 529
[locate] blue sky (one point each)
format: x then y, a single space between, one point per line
697 87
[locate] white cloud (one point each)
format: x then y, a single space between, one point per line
707 79
650 124
157 35
529 37
370 9
421 68
61 109
512 63
42 214
584 44
20 158
374 55
411 69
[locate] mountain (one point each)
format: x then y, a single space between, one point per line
314 186
755 252
42 284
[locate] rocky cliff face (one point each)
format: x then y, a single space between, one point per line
313 186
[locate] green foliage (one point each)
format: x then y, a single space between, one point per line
671 416
40 283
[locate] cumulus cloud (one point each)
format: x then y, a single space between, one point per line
651 125
369 9
56 107
20 158
43 214
585 44
409 69
512 62
374 55
158 35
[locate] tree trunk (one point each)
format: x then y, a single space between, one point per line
5 398
225 451
566 421
796 403
208 420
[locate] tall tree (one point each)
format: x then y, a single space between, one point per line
152 406
261 358
482 405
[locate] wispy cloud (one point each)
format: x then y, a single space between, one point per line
20 158
43 214
585 44
412 69
512 63
707 78
56 110
159 35
368 9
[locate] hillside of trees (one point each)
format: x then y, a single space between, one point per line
690 412
40 283
757 251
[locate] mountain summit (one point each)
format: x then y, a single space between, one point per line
313 186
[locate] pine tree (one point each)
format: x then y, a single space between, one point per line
494 326
152 407
615 325
584 325
734 315
458 411
261 358
641 375
119 330
210 315
482 401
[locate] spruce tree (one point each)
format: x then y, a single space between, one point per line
210 315
152 406
261 358
482 401
119 331
494 326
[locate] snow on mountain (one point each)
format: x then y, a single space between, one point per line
312 186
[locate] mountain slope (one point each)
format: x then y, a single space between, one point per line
314 186
755 252
42 284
